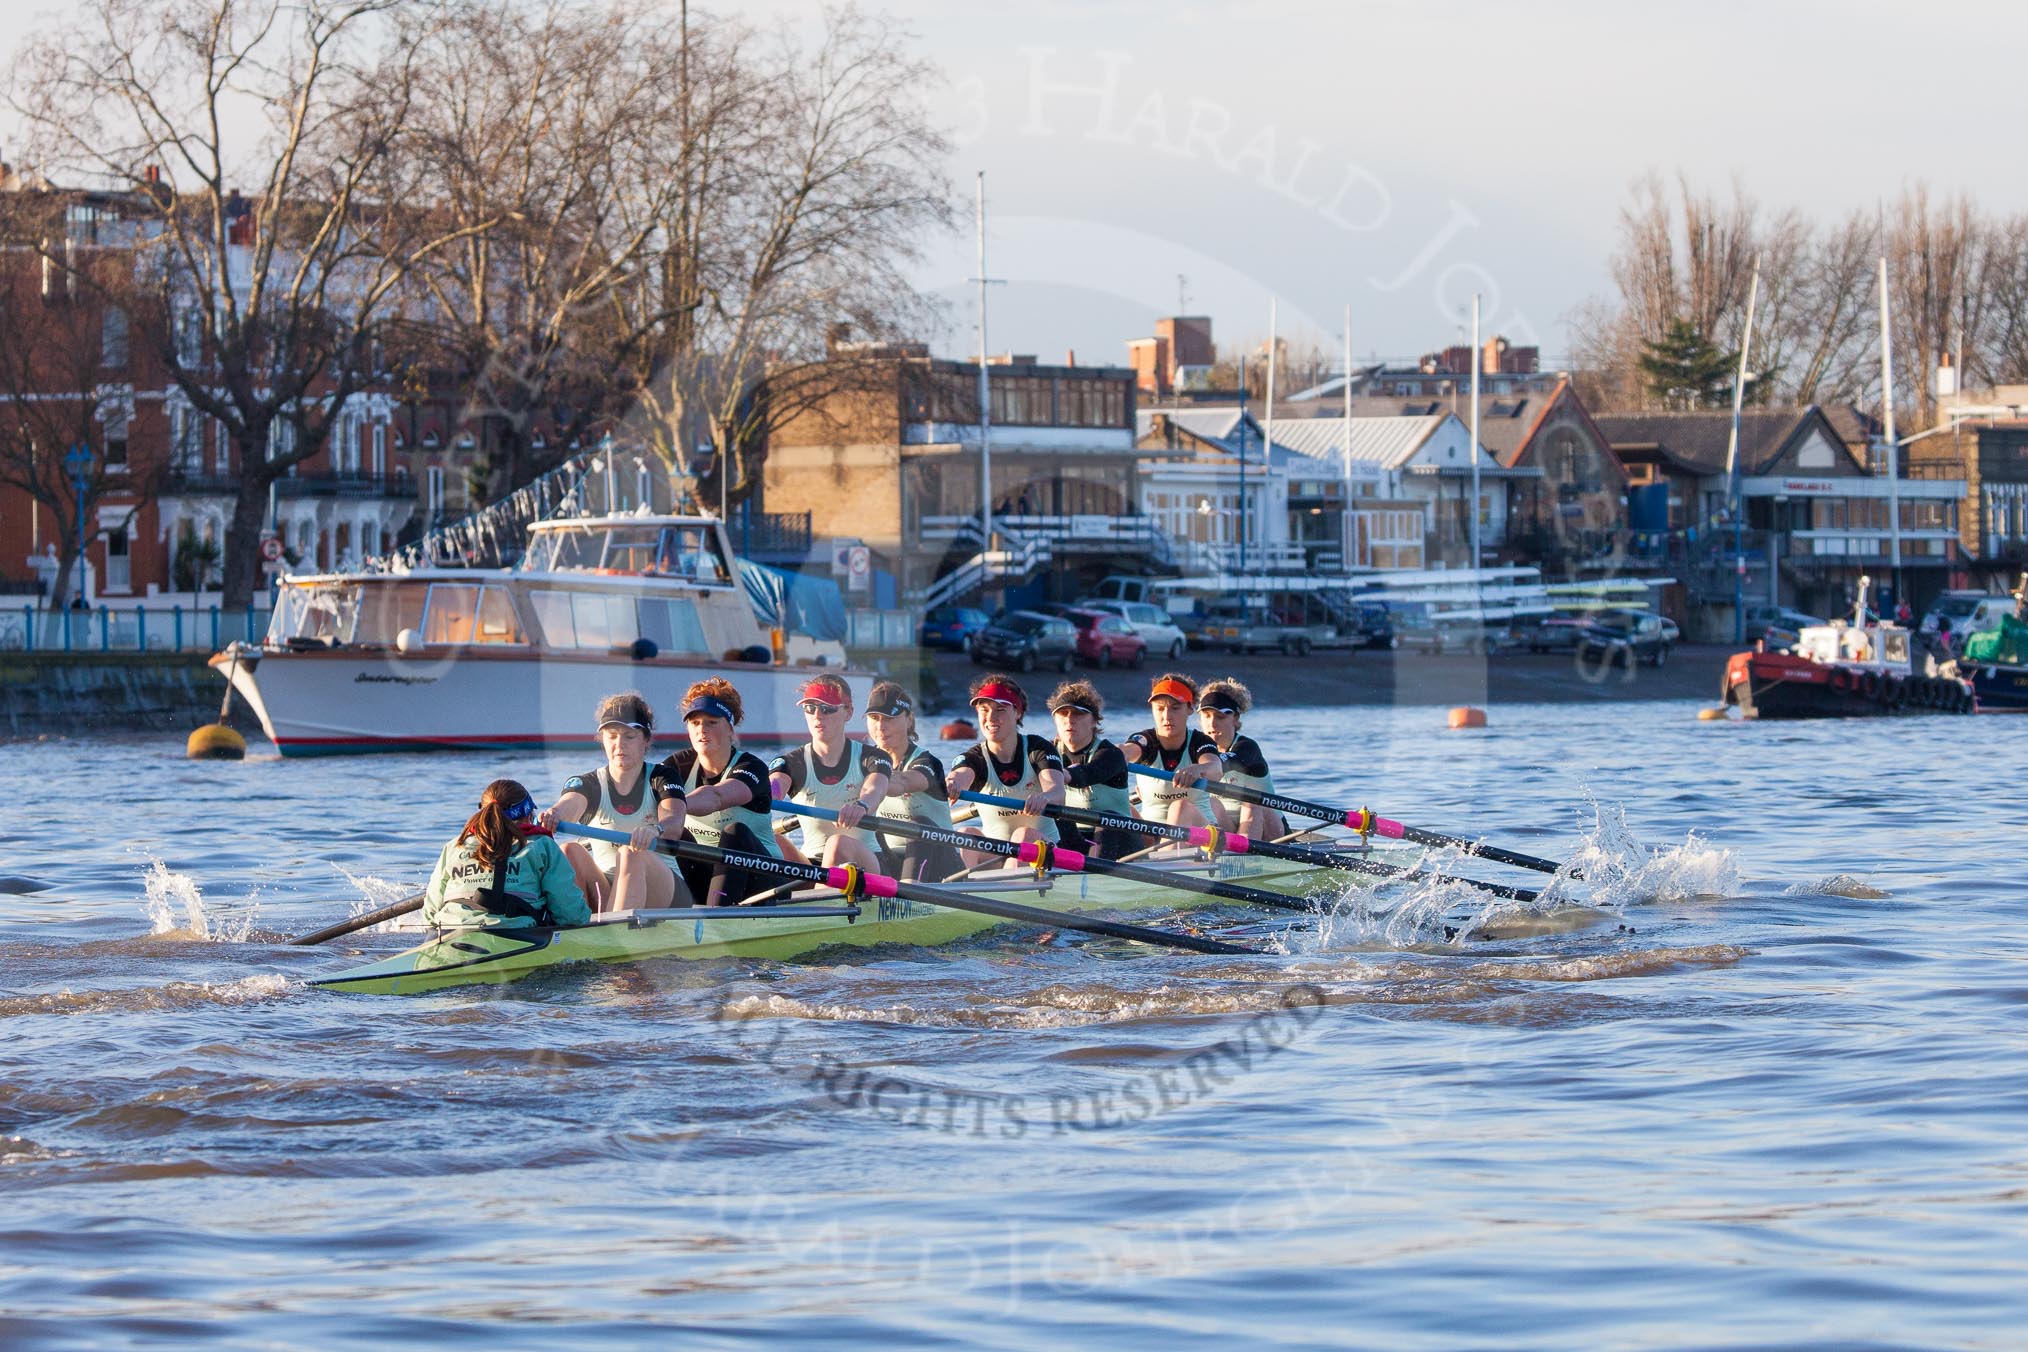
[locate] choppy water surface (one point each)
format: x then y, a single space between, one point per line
1776 1096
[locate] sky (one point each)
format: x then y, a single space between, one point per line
1143 159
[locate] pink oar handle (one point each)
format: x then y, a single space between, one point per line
1230 841
1363 819
1067 861
873 884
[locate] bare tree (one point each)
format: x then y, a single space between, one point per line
1942 282
66 394
550 121
801 199
262 309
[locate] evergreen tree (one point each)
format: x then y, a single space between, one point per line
1684 371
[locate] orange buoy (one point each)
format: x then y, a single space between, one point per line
958 730
1465 716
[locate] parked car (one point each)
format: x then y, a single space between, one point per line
1154 624
1776 624
951 627
1371 627
1970 612
1104 639
1243 629
1025 640
1621 636
1559 633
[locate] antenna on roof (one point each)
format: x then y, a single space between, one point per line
1182 294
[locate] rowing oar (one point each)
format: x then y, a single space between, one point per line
855 882
360 922
1061 859
1362 820
1235 843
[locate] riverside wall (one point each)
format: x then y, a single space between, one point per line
44 693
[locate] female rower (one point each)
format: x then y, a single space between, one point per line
833 771
1172 744
1219 709
915 790
1010 764
725 793
503 871
1095 771
622 795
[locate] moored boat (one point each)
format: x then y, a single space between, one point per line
456 658
1843 670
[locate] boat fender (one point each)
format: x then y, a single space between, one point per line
958 730
215 741
756 653
1841 680
408 640
1894 692
644 649
1869 685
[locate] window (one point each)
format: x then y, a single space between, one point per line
186 440
386 611
454 612
114 417
113 337
380 450
281 439
671 625
433 477
119 562
496 621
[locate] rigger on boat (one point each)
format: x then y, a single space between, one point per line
508 900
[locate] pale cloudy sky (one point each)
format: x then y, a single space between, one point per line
1399 156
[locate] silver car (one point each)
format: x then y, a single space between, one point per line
1152 622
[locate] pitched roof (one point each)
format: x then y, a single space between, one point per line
1387 443
1698 440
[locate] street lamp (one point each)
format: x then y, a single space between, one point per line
77 463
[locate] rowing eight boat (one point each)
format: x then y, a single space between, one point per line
818 919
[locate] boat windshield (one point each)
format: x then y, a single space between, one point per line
317 613
687 552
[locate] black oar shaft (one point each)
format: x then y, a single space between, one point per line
1266 849
360 922
1326 812
878 884
1032 915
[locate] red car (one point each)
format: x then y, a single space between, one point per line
1104 639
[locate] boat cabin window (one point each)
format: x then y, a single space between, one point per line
385 609
671 625
460 613
597 620
1894 646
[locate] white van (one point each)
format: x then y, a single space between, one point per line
1970 612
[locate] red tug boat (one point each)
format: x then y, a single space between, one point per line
1841 670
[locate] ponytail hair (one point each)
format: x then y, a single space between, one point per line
489 825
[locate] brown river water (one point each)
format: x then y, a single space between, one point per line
1775 1095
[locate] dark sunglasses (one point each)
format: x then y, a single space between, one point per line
817 706
521 811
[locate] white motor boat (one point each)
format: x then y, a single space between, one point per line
439 658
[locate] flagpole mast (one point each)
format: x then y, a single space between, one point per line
1345 505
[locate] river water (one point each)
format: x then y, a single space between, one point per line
1776 1097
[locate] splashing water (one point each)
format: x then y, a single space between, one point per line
1619 871
174 905
373 894
1837 885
